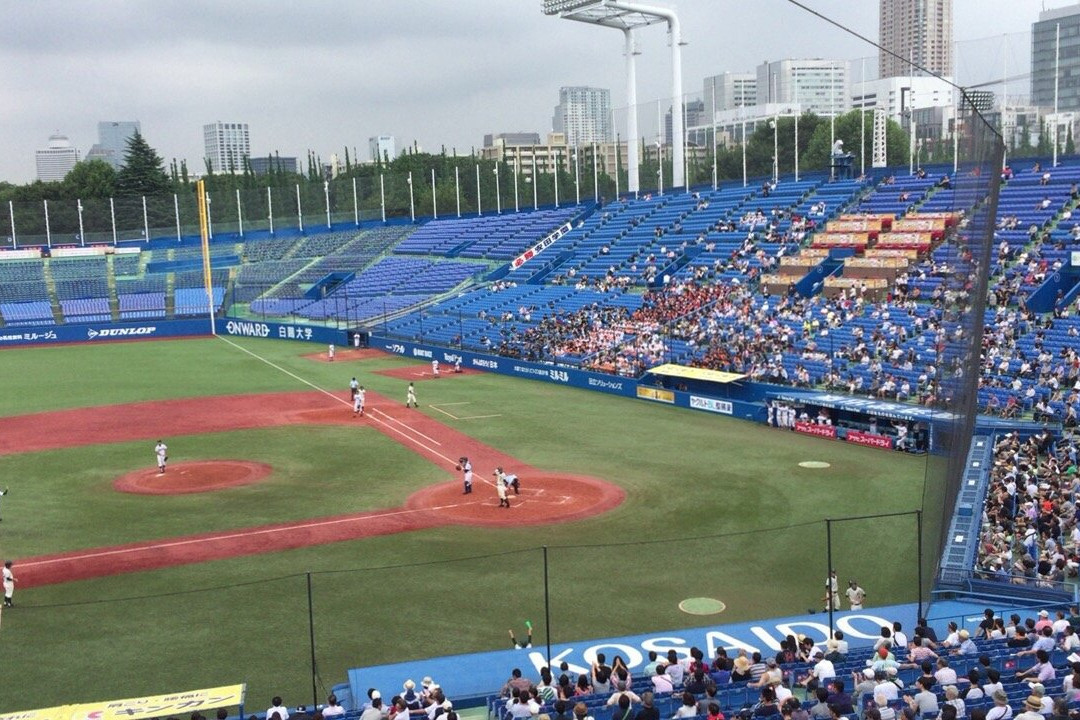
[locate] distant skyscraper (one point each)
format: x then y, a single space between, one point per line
382 147
227 145
817 86
584 115
56 160
112 141
1043 40
732 90
916 30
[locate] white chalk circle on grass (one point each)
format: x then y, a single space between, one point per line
815 464
702 606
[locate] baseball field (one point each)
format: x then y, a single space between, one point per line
282 513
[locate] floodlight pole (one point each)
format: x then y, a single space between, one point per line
633 183
434 202
1057 74
412 209
457 188
82 237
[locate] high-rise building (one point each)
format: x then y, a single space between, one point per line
113 137
274 163
817 86
732 90
227 146
919 31
1044 41
56 160
583 115
382 147
695 115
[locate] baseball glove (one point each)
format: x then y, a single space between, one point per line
457 467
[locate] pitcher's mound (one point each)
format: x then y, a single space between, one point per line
192 477
543 499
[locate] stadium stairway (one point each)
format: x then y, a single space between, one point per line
50 287
110 281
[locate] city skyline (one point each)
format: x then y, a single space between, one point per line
439 75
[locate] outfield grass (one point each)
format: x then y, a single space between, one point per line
715 507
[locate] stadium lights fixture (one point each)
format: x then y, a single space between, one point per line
626 15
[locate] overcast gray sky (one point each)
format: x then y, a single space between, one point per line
325 74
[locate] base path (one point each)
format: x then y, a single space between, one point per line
545 497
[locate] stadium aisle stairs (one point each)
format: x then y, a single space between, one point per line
110 280
170 295
50 287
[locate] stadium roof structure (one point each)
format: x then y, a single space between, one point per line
694 373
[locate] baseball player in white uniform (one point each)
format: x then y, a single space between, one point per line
410 397
353 384
466 468
358 401
500 488
510 480
9 585
435 368
330 353
161 450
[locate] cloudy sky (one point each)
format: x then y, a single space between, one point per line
325 74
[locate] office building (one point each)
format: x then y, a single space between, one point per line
815 85
274 163
694 115
512 138
112 143
382 147
55 160
898 96
583 115
1044 41
227 146
524 157
919 31
731 90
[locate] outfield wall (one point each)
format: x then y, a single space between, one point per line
159 329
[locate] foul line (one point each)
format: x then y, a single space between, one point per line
243 534
337 399
436 408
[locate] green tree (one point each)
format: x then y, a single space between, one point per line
847 129
90 179
143 172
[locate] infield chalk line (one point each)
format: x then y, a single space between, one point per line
243 534
337 399
436 408
406 426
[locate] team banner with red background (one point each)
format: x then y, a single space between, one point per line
864 438
808 428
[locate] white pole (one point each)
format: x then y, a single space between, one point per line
355 205
112 218
434 201
832 116
176 214
714 171
678 159
686 142
326 194
382 196
457 188
1004 105
577 176
595 177
299 209
48 232
498 190
412 210
862 120
618 152
632 180
210 218
239 213
956 140
776 150
796 142
660 145
534 176
479 212
1057 72
556 151
270 209
911 112
743 113
145 224
11 216
82 236
517 163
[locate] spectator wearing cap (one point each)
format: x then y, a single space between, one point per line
1043 621
1039 690
883 659
438 704
822 672
1032 709
967 645
863 682
741 668
427 687
622 689
771 677
1001 709
411 697
375 710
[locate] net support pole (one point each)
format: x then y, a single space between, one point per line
311 636
145 221
382 196
204 235
176 214
11 216
828 573
919 558
48 231
547 608
239 214
112 219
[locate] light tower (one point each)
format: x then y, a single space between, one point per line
627 16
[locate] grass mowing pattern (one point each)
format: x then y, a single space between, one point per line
736 486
